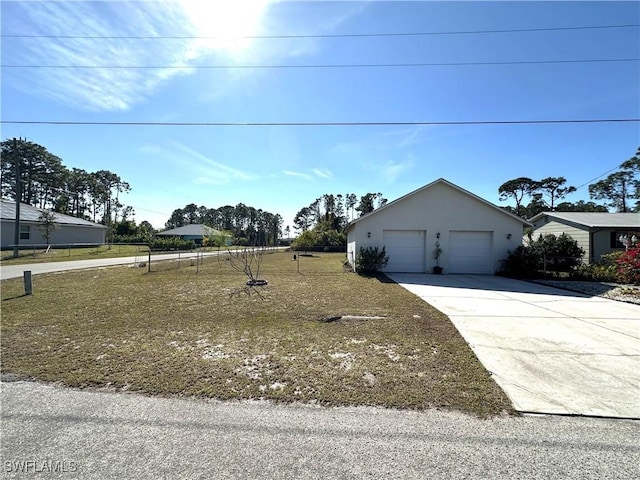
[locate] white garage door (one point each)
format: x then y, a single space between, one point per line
405 249
470 252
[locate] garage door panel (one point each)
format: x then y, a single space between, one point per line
405 249
470 252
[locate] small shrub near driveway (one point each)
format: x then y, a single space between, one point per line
371 260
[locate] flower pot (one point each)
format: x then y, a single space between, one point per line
437 269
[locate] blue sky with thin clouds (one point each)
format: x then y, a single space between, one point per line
282 168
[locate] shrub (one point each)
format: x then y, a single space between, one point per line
171 243
558 254
523 262
604 270
547 253
628 266
320 241
371 260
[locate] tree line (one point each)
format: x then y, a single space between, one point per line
249 225
334 212
46 183
617 190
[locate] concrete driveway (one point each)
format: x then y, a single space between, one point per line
550 350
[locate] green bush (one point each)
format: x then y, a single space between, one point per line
132 239
171 243
371 260
601 271
320 241
523 262
549 253
558 254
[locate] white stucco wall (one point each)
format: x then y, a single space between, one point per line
439 208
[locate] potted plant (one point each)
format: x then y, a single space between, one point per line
436 255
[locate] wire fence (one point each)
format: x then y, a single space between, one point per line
221 261
156 261
216 260
41 250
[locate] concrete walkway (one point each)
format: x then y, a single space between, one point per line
550 350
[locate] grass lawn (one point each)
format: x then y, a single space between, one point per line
68 254
175 332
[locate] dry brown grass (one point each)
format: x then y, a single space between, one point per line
176 332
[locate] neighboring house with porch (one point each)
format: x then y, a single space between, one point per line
68 230
598 233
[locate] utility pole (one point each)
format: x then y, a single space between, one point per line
16 233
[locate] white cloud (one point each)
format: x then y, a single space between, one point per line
290 173
392 170
323 172
116 89
203 169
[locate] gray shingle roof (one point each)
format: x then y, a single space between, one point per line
194 229
596 219
29 213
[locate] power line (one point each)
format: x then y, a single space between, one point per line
321 124
599 176
337 35
349 65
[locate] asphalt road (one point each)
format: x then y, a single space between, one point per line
101 435
16 271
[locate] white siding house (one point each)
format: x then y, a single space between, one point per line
69 230
597 233
474 234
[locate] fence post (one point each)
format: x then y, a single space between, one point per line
28 286
149 263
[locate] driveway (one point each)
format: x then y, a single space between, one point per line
550 350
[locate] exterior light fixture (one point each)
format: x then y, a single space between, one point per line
368 234
508 236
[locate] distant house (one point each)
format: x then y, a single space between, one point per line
69 230
196 232
598 233
473 234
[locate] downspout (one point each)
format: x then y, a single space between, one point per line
592 253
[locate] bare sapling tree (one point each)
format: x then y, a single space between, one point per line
249 261
47 225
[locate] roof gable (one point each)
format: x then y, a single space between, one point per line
430 185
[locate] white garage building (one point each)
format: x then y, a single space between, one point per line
473 234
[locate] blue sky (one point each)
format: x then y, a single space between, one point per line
284 168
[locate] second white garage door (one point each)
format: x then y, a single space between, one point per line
470 252
405 249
